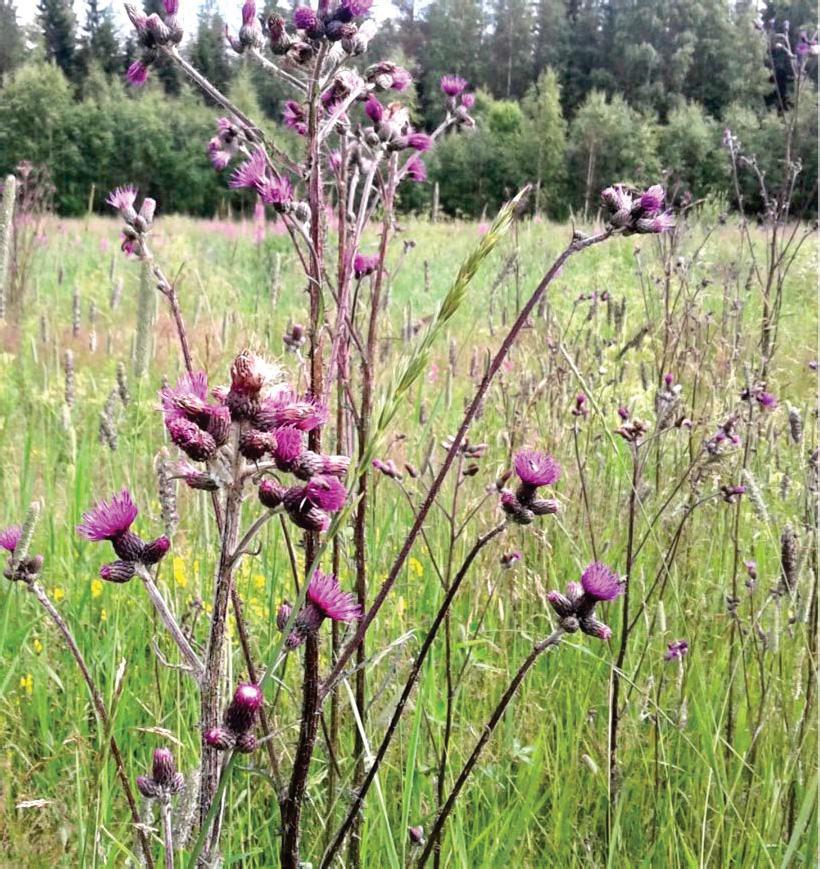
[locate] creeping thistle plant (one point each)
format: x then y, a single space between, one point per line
257 441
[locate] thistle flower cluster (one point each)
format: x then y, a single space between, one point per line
635 212
164 780
236 730
324 600
153 32
112 521
576 608
137 223
262 418
725 439
19 569
765 400
533 469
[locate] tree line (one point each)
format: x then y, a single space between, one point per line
570 95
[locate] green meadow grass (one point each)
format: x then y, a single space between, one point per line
538 796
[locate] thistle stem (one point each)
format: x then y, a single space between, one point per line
552 640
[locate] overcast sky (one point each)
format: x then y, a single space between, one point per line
229 9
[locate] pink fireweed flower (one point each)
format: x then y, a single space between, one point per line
364 265
325 600
452 85
137 74
10 537
676 651
415 170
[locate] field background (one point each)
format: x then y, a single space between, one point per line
539 794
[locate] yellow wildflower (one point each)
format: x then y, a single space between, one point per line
96 587
38 646
27 684
180 576
59 594
416 566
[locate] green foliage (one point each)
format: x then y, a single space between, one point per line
609 142
689 151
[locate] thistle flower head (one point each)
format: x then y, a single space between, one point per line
420 142
109 519
356 8
137 74
304 18
617 198
164 768
252 374
600 582
467 101
651 200
10 537
187 399
194 441
287 409
364 265
333 603
294 117
660 223
536 469
326 493
452 85
271 494
276 191
241 713
252 172
373 109
766 400
248 13
415 169
118 571
676 650
289 445
508 559
123 198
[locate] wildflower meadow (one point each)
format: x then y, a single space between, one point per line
338 532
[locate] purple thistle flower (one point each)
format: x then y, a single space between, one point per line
401 79
617 199
251 173
510 558
287 409
195 442
108 520
420 141
10 537
357 8
536 469
275 191
171 6
187 400
731 494
304 18
241 713
652 200
467 101
751 568
374 109
364 265
219 738
660 223
676 651
668 379
294 117
326 493
415 169
283 614
766 400
288 447
271 494
452 85
137 74
123 198
600 582
333 603
248 13
623 412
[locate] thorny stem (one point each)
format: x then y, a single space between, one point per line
577 244
552 640
412 678
40 593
